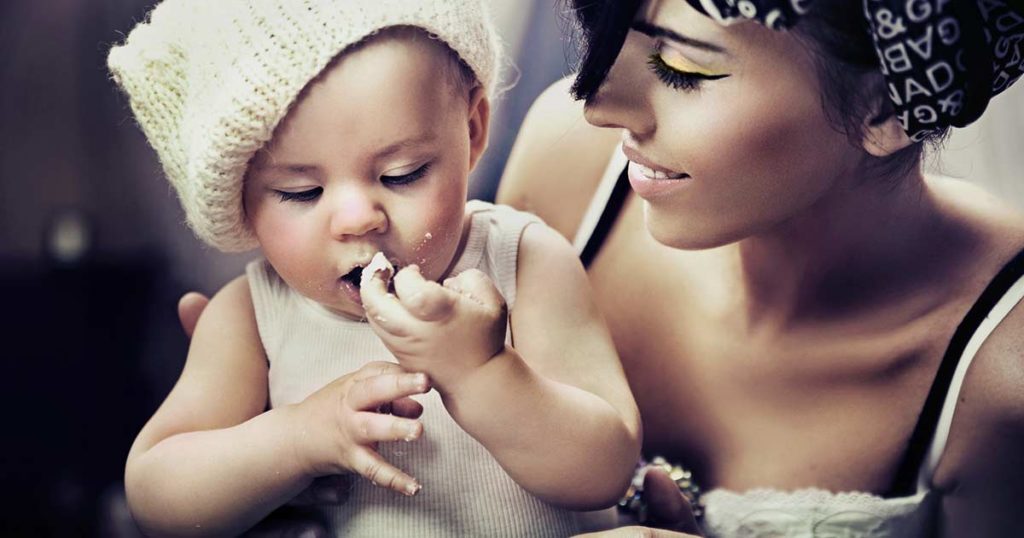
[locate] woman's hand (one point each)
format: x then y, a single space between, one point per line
668 511
446 331
666 506
190 307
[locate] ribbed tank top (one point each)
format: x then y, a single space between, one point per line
465 492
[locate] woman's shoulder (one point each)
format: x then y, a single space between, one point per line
557 161
998 229
981 467
987 433
966 200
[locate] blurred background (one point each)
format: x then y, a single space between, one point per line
94 253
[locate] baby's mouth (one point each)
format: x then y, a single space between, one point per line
354 276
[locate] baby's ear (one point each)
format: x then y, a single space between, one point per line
883 133
479 124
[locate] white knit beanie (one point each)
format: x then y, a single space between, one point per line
209 81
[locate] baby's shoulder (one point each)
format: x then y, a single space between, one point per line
234 300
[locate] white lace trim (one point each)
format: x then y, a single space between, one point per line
813 512
805 497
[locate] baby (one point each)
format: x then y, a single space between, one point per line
323 132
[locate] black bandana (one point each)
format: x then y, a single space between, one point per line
943 60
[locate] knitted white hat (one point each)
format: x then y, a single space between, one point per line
209 81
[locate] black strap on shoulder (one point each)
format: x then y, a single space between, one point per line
905 481
608 217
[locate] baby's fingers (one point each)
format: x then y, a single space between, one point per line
477 287
373 392
425 299
381 473
372 428
376 368
406 407
384 309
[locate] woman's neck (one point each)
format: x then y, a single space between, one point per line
864 243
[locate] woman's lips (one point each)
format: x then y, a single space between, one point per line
649 168
648 187
650 180
651 173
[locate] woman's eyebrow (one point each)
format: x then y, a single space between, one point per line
651 30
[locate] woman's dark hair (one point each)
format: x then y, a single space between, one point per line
835 31
602 27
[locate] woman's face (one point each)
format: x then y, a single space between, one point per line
724 126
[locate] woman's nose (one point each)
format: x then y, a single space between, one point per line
356 212
623 100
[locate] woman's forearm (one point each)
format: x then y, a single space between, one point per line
561 443
215 482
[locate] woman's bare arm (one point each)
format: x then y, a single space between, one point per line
557 161
982 469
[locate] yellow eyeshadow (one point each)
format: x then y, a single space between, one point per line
677 61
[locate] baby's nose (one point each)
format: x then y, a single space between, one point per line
355 213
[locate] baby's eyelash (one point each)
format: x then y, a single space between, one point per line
302 196
676 79
405 179
311 195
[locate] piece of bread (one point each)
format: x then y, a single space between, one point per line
379 264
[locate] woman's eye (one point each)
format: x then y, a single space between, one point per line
404 179
301 196
676 79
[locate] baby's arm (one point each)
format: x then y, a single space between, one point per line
556 411
212 461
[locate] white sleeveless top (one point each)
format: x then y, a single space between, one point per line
465 492
806 513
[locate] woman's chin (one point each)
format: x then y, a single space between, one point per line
689 234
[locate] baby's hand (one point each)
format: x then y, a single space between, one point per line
339 426
445 331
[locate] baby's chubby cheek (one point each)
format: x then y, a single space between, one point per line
288 250
433 242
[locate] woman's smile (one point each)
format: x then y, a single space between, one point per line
651 180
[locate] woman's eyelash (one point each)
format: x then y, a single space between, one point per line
303 196
676 79
405 179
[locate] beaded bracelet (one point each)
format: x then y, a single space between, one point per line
633 501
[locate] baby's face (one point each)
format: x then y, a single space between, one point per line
374 156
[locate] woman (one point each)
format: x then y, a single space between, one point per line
791 297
